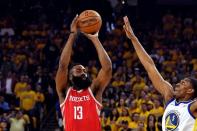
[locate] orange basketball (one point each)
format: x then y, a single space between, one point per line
89 21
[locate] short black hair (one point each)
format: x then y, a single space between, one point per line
193 81
72 65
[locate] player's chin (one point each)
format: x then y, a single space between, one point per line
176 94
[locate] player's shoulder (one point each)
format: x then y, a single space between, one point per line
193 108
194 103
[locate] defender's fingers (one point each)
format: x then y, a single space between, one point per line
126 28
127 22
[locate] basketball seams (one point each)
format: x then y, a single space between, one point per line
88 17
89 13
89 25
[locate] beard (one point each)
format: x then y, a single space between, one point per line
80 82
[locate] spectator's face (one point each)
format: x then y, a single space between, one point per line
112 101
28 87
121 102
19 115
125 124
157 103
151 118
26 78
138 79
1 99
38 88
150 106
151 123
79 77
133 105
125 112
142 94
3 126
140 125
107 104
135 117
144 107
184 87
22 78
114 112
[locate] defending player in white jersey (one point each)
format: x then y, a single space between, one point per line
181 106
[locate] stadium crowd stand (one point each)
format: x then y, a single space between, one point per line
30 49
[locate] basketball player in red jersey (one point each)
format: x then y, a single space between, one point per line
81 103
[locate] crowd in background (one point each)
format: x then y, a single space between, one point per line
29 54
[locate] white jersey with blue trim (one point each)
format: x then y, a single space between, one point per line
177 116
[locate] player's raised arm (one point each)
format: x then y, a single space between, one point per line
105 73
62 72
159 83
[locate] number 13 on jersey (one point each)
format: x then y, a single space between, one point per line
78 112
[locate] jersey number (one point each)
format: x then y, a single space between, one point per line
78 112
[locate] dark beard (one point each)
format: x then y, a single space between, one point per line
80 82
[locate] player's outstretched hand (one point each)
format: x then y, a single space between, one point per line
73 26
127 27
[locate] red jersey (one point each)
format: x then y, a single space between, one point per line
80 111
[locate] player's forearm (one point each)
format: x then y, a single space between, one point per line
103 56
66 53
145 59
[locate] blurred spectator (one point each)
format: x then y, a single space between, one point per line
28 99
6 29
123 117
151 123
144 112
9 85
134 120
7 65
111 121
4 106
17 122
158 109
20 86
2 83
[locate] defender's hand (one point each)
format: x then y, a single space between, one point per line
127 27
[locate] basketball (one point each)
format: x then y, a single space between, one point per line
89 21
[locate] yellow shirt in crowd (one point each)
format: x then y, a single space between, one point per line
19 88
27 100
